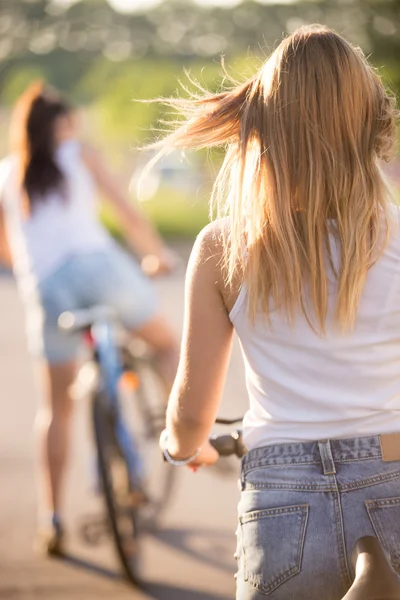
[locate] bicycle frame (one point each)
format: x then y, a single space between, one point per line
111 369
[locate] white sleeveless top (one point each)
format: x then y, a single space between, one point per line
57 227
305 387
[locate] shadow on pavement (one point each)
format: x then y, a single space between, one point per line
81 563
160 591
157 591
214 547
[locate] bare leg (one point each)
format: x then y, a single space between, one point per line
163 341
53 428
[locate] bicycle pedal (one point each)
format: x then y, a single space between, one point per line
95 531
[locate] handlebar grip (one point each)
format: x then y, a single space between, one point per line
228 444
225 445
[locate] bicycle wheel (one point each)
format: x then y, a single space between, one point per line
115 485
147 421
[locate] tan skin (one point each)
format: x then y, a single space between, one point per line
205 352
54 415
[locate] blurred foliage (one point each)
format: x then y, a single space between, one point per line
170 211
107 60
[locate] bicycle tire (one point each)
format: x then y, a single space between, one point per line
108 454
151 402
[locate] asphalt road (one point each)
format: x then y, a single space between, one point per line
190 558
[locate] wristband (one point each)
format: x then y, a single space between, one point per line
168 458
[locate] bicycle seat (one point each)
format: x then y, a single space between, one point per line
375 577
79 320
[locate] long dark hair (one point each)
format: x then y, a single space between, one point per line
32 138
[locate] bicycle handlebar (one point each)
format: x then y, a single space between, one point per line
229 444
221 421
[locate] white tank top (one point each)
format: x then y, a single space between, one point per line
57 227
303 386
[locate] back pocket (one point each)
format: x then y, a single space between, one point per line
273 541
385 518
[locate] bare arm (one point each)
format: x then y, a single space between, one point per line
140 234
206 348
5 252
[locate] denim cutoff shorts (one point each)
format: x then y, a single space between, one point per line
109 277
302 508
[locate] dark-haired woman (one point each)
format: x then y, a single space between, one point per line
64 260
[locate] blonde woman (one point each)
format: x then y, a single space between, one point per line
306 269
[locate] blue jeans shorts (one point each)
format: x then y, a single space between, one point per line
109 277
302 508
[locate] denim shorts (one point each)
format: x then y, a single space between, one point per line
110 278
302 508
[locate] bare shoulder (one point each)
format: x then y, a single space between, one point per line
209 245
207 260
208 251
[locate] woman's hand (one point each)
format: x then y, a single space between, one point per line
162 264
207 457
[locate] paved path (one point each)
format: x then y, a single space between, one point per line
190 559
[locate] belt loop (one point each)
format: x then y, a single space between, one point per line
325 451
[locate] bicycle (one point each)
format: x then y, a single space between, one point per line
124 379
375 577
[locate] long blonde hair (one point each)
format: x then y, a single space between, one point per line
303 140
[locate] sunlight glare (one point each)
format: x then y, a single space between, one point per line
221 3
131 6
